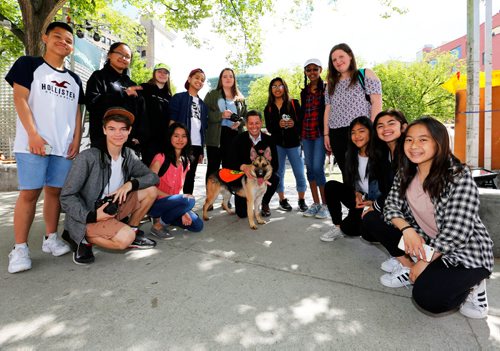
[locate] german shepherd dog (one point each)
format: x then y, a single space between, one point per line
253 189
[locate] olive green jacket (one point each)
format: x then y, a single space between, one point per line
215 118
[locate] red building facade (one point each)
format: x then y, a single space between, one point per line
458 46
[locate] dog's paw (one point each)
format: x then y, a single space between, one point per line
261 221
254 227
206 218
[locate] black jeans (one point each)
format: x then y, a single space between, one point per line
339 137
216 155
196 151
440 288
240 203
374 228
336 194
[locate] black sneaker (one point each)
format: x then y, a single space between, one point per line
265 211
65 235
83 254
284 205
141 242
302 205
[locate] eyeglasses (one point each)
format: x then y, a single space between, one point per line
276 87
123 56
312 70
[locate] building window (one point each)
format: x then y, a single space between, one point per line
457 52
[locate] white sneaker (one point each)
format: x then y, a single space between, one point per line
55 246
476 304
390 264
312 210
398 278
19 260
322 212
332 234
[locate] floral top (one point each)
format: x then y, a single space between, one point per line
349 102
172 181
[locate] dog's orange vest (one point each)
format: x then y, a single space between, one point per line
230 175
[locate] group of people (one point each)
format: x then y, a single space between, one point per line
401 184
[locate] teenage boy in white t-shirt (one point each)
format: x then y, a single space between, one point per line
48 134
112 172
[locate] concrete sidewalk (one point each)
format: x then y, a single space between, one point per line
229 288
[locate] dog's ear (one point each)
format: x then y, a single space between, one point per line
253 154
267 153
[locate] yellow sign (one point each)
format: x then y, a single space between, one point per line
459 81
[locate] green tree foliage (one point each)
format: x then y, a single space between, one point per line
236 21
10 46
138 71
415 88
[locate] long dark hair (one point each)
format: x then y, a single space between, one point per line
351 156
320 85
286 95
379 148
333 76
169 150
234 89
440 173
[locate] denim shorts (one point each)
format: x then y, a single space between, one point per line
35 171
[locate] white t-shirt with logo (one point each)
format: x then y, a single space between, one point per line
195 122
53 99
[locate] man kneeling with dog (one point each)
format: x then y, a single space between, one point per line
240 159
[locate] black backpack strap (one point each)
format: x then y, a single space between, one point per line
361 80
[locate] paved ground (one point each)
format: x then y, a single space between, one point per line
227 288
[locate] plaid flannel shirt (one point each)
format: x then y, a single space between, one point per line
462 239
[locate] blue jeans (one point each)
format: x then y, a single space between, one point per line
293 154
314 156
172 208
35 171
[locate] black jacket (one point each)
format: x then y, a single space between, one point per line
240 150
157 115
105 89
289 137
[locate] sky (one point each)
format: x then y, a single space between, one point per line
356 22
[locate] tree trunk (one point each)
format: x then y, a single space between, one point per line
37 14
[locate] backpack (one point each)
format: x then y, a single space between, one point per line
361 80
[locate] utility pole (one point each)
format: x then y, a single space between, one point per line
472 115
487 87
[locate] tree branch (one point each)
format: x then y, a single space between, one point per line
18 32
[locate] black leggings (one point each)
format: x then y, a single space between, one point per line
336 194
216 155
374 228
440 288
196 152
240 203
339 137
